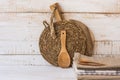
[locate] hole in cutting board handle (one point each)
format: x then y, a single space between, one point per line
63 32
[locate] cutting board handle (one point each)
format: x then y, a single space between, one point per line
57 11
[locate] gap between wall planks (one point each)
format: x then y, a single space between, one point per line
106 6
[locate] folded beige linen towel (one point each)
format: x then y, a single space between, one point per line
97 62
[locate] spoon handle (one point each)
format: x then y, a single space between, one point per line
63 40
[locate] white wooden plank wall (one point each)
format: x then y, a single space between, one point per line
21 26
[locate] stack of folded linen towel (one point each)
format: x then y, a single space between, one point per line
97 67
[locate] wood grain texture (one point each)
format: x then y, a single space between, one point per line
32 47
22 60
20 32
21 26
107 47
19 47
36 73
111 6
28 26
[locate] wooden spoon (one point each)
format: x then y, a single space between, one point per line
63 57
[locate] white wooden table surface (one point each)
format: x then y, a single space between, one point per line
35 73
21 26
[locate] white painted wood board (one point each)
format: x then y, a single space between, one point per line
111 6
28 26
31 60
23 60
36 73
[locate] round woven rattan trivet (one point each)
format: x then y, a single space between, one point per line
78 39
